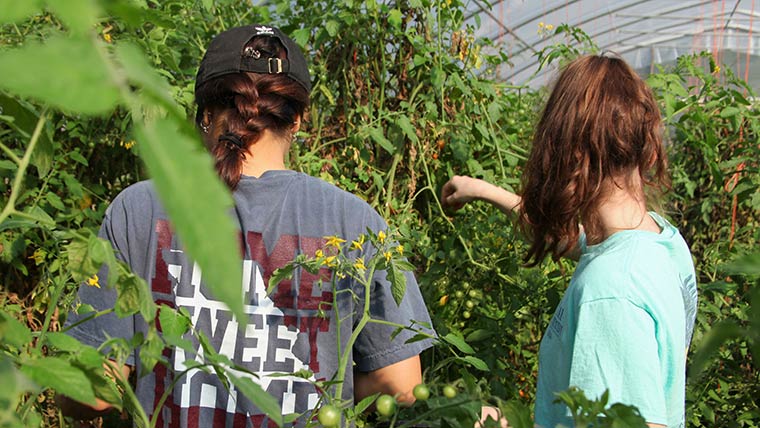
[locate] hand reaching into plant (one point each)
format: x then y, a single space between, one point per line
460 190
494 414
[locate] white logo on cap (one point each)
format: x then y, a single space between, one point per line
264 30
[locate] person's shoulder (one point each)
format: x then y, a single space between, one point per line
334 192
639 269
135 197
611 269
138 190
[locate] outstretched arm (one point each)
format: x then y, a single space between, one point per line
462 189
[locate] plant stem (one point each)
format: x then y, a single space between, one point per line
10 153
52 306
10 207
169 391
343 362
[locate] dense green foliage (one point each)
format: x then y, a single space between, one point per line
92 90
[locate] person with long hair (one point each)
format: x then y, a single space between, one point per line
252 91
596 166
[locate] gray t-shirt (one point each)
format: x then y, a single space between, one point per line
281 214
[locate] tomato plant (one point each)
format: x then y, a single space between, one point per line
390 121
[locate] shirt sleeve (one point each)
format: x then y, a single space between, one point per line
96 331
615 349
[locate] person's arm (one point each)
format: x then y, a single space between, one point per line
462 189
83 411
398 379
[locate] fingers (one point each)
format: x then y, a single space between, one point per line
493 413
449 199
453 193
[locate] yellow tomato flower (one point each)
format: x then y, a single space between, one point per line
93 281
128 145
359 265
388 256
38 256
400 250
319 254
381 236
334 241
549 27
330 261
357 245
107 37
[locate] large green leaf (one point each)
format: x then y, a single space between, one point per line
140 72
197 203
174 325
76 76
17 10
25 118
378 137
79 15
63 342
398 283
134 296
61 376
459 343
476 362
13 332
34 216
13 385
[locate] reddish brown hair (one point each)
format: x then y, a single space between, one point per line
244 105
601 121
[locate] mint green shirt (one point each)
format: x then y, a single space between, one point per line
623 325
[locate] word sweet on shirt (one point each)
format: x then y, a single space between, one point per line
280 335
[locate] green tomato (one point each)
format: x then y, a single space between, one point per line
421 392
157 34
469 304
386 405
459 294
449 391
466 315
474 294
329 415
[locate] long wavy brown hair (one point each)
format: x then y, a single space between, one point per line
244 105
601 122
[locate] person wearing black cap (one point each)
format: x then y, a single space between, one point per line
252 90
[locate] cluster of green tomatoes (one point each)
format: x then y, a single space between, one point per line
329 415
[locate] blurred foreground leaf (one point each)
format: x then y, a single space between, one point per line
75 77
197 202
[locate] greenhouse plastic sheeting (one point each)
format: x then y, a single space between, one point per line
645 33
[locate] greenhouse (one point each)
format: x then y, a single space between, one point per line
648 33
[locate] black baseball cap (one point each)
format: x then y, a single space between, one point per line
227 54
